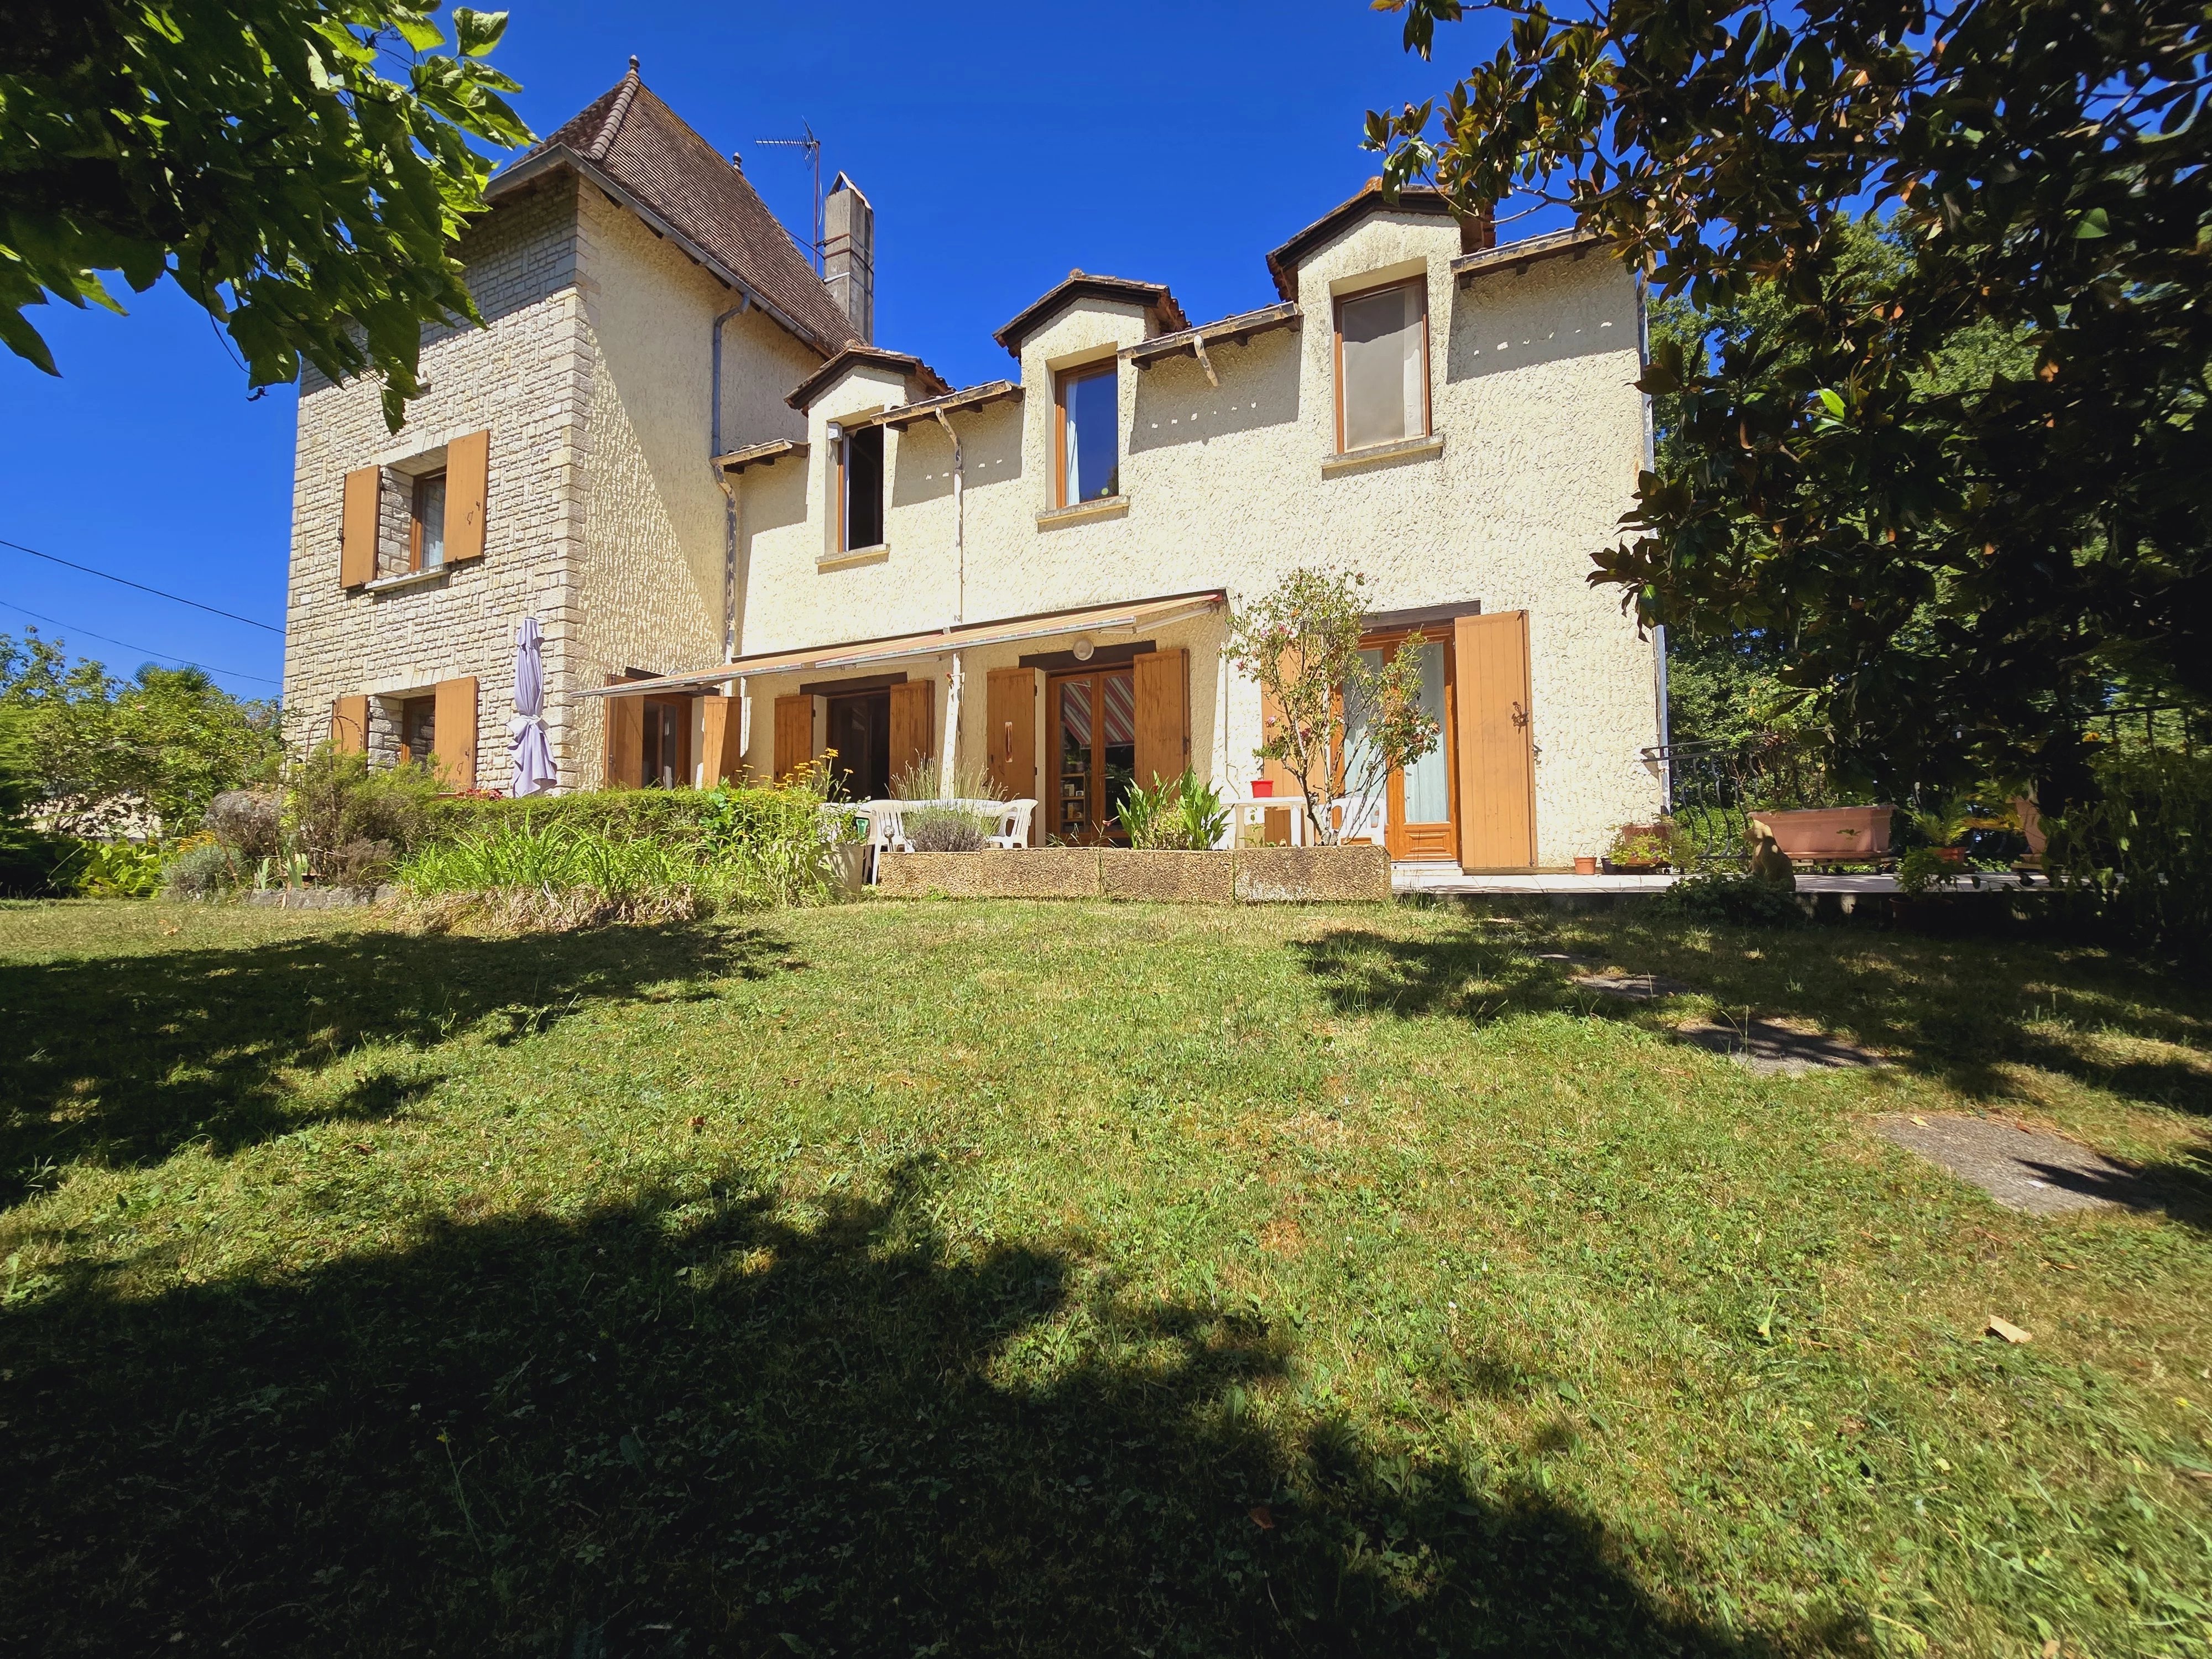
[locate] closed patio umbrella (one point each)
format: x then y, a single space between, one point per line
533 756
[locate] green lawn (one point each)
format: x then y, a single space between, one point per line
914 1278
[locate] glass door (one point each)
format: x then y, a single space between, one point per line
1421 821
1094 748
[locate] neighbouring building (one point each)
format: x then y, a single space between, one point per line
752 536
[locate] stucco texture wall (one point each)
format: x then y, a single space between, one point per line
1532 387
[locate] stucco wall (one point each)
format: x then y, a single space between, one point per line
1532 389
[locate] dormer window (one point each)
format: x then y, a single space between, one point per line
1382 365
861 489
1087 434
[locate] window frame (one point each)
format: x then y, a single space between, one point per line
842 542
1062 381
1336 329
417 482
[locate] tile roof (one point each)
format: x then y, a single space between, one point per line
1082 285
628 137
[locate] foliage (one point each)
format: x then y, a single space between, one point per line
1662 843
1956 555
249 823
1300 643
971 1282
923 779
198 870
940 828
1183 813
1945 823
251 151
110 869
28 854
1730 900
352 821
1925 867
103 753
2140 853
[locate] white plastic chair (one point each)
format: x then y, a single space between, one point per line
1013 817
1361 817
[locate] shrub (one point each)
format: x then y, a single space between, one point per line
1179 814
2139 859
1922 868
1731 901
1662 843
938 829
352 821
110 869
197 870
249 823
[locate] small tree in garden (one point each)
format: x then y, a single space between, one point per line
1301 643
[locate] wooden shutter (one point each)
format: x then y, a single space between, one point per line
350 725
357 528
468 481
1011 709
719 725
1163 691
795 733
456 741
622 764
1497 742
914 724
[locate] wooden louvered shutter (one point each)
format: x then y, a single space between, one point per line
719 756
1011 708
914 724
468 481
1163 692
1497 742
795 733
357 528
350 725
456 740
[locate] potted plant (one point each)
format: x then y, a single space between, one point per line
1640 849
1942 825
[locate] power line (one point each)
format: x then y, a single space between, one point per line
142 587
55 621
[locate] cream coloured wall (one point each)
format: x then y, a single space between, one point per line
1532 391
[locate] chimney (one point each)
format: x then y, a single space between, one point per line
848 255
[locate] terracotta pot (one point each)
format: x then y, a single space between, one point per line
1951 854
1828 834
1586 864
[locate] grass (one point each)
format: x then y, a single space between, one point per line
904 1278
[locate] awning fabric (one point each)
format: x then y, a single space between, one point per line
1091 619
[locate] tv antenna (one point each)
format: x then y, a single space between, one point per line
813 146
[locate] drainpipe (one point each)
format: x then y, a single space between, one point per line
728 486
950 761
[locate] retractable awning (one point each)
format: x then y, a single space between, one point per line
855 653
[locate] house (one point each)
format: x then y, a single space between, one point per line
753 536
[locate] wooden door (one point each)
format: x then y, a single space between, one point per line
1420 821
1497 783
795 733
913 726
1093 752
1010 724
1162 685
456 717
622 764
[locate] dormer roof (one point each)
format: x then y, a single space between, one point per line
1283 264
644 155
1165 313
856 355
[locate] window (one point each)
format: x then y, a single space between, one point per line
426 529
1089 437
860 487
418 729
1382 365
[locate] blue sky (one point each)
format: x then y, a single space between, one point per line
1002 146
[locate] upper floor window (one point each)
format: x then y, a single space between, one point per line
1382 365
426 528
860 488
1087 440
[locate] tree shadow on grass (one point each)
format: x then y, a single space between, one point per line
128 1058
688 1425
1458 975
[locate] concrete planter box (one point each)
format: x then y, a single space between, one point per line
1312 875
1183 878
1030 873
1829 835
